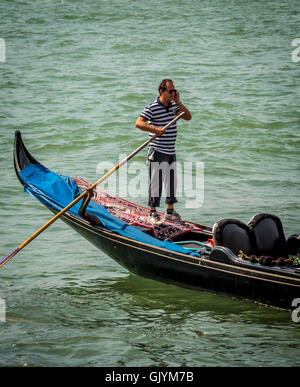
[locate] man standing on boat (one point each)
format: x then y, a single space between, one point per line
161 152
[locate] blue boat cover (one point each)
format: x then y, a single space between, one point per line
57 191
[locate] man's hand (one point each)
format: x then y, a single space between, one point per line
158 131
187 116
176 98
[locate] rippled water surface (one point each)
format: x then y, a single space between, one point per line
76 76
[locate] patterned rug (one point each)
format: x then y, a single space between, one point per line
136 215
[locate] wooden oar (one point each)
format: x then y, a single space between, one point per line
59 214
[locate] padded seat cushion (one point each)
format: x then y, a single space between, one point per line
293 244
263 235
269 235
235 235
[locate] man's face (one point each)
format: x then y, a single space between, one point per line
170 91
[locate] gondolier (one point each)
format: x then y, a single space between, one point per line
161 152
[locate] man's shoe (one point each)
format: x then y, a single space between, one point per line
154 219
174 217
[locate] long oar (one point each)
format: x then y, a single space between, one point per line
59 214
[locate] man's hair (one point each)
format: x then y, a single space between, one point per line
162 85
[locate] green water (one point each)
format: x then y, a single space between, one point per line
75 77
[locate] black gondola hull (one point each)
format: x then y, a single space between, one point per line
193 273
219 272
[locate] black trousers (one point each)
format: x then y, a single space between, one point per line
162 173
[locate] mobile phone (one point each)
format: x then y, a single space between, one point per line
175 94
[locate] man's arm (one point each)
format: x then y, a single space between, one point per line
187 116
142 124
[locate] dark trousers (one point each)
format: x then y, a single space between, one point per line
162 173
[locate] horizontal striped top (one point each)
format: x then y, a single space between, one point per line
159 115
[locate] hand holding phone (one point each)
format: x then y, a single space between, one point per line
176 96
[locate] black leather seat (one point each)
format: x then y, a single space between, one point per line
235 235
293 244
269 235
263 235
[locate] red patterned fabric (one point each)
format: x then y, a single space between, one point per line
135 214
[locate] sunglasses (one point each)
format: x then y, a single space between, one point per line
171 91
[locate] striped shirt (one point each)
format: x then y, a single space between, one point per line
159 115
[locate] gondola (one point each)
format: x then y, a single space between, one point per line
251 261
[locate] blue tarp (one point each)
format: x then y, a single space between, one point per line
57 191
